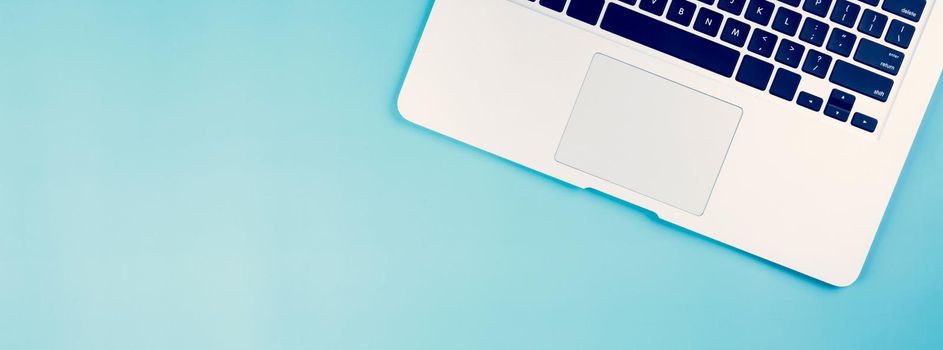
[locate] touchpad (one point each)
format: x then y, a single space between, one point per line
648 134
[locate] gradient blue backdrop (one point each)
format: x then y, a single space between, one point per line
234 175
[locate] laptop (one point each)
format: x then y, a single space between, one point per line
778 127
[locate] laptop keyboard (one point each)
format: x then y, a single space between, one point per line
856 47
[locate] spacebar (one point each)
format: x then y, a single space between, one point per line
670 40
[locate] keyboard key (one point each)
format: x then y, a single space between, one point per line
655 7
787 21
556 5
709 2
841 42
839 105
735 32
872 23
708 21
861 81
809 101
817 7
871 2
759 11
785 84
817 63
900 34
732 6
813 32
670 40
909 9
681 12
762 42
629 2
864 122
837 113
794 3
845 13
587 11
790 53
754 72
879 56
841 99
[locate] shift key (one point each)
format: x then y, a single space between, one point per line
861 81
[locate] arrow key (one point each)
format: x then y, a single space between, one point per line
837 113
809 101
842 99
864 122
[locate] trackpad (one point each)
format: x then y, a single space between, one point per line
648 134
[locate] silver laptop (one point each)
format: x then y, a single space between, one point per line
779 127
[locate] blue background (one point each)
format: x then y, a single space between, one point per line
234 174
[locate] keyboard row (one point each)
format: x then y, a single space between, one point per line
723 60
760 12
752 71
786 22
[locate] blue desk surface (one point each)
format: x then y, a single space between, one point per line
234 175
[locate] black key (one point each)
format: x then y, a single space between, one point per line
841 99
909 9
879 56
709 2
845 13
670 40
871 2
735 32
817 63
586 10
754 72
864 122
787 21
655 7
681 12
809 101
837 113
629 2
872 23
790 53
708 21
841 42
759 11
794 3
556 5
732 6
839 105
813 31
762 42
861 80
817 7
785 84
900 34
